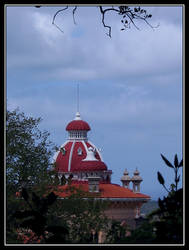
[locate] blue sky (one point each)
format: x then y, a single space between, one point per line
130 84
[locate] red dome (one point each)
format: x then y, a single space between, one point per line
90 166
68 161
78 125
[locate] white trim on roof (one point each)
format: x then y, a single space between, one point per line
96 150
70 156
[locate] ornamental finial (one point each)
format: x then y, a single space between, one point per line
77 116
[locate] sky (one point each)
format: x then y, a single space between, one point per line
130 85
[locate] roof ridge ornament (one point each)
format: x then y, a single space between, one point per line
77 116
90 155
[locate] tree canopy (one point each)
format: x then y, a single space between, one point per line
28 150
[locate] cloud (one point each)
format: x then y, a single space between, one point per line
133 53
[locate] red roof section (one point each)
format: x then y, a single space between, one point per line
62 161
78 125
90 166
105 191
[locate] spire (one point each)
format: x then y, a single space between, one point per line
77 116
78 97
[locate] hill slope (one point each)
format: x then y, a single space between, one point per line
149 207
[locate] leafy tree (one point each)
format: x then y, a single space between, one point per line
169 227
75 219
28 152
83 214
116 233
34 223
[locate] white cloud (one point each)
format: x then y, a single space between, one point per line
94 55
131 83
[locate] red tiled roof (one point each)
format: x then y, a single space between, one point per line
78 125
105 191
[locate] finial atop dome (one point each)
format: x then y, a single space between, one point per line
77 116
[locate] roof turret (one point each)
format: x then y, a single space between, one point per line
125 179
136 176
125 176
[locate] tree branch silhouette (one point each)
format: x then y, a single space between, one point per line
128 16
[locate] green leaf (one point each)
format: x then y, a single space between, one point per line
167 162
177 179
176 161
181 163
160 178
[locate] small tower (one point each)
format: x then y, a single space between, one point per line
136 179
125 179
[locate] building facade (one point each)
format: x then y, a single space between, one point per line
80 160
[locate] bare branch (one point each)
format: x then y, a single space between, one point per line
129 15
131 21
53 21
58 27
74 10
145 20
106 26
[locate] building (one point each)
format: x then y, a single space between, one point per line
81 160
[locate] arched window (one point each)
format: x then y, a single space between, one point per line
79 151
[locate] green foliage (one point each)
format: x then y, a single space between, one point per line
175 167
83 214
28 151
160 178
36 219
116 233
165 224
169 227
142 235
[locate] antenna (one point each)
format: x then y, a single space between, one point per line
78 97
